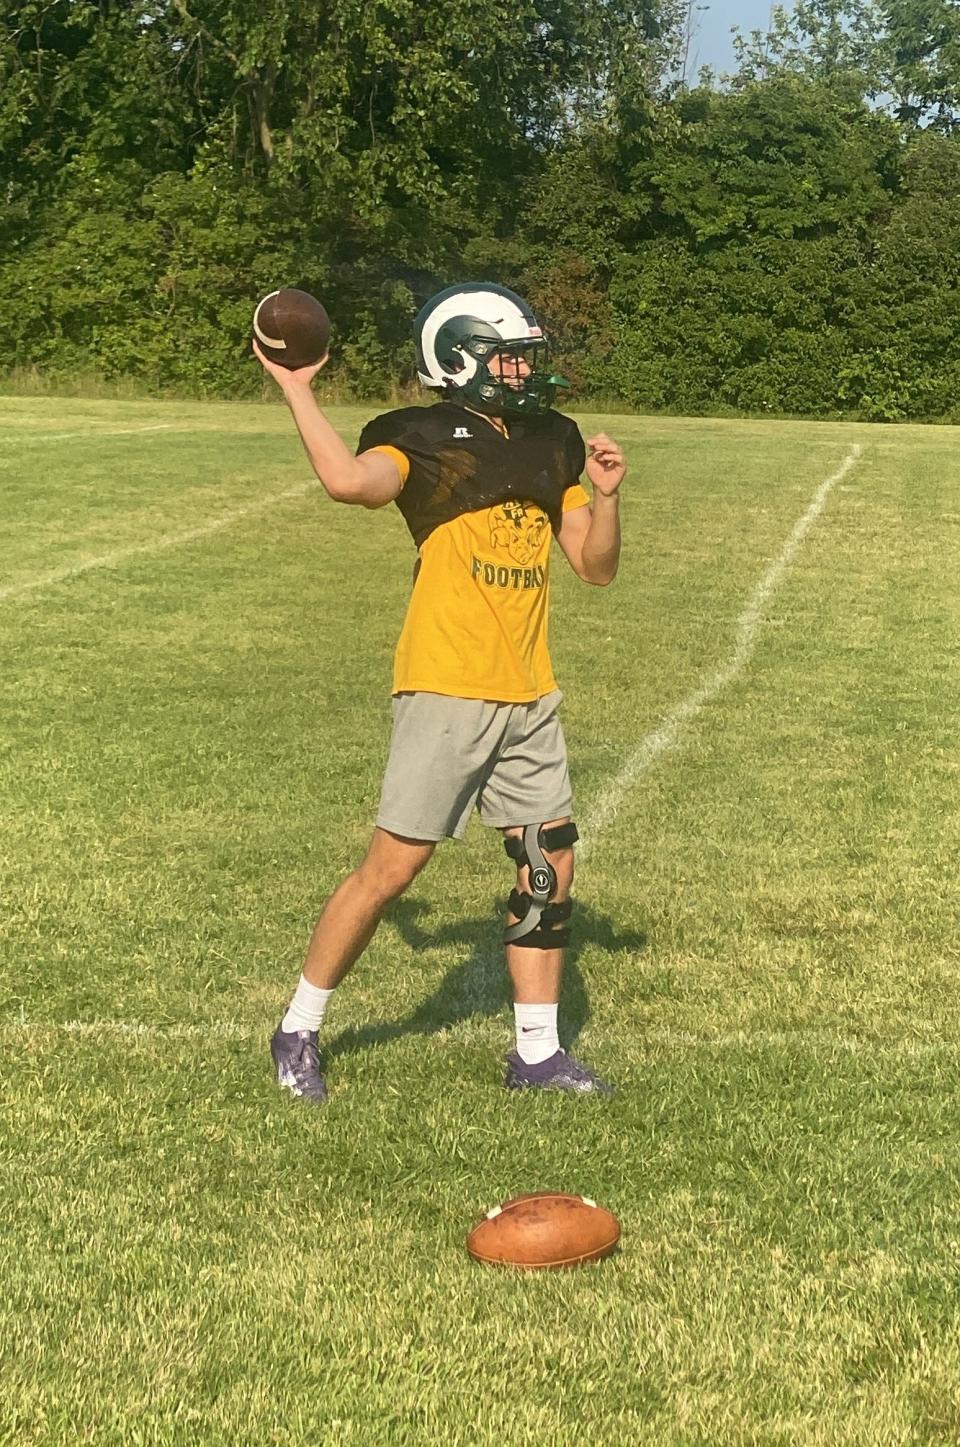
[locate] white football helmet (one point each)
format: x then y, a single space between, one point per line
459 330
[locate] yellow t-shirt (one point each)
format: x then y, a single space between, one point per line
476 623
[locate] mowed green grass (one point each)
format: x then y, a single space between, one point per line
766 960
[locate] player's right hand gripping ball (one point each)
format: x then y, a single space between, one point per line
292 328
546 1229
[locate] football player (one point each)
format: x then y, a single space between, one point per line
485 480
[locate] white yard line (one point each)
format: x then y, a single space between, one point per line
668 733
133 1029
653 1037
155 545
87 432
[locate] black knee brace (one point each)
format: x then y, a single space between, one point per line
538 919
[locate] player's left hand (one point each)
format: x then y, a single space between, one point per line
606 465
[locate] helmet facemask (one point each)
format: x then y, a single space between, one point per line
520 382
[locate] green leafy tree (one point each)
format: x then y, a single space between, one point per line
819 39
85 80
786 157
903 317
374 146
922 42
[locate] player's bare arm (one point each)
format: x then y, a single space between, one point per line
590 536
371 480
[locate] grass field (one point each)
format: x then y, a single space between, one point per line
195 714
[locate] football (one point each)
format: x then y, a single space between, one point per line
292 328
543 1230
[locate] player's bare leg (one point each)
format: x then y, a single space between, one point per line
536 974
354 910
343 931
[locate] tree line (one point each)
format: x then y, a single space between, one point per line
783 239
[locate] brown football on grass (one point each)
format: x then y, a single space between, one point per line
546 1229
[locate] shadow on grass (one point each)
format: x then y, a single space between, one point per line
480 985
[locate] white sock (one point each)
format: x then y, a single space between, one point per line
307 1008
536 1032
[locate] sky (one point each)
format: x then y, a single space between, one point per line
712 43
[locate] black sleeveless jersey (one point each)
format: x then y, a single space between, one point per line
460 463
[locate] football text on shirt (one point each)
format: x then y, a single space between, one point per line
495 576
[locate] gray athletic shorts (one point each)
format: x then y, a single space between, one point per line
450 755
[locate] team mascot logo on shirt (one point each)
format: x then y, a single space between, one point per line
518 527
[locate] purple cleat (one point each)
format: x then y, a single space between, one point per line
297 1058
559 1072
